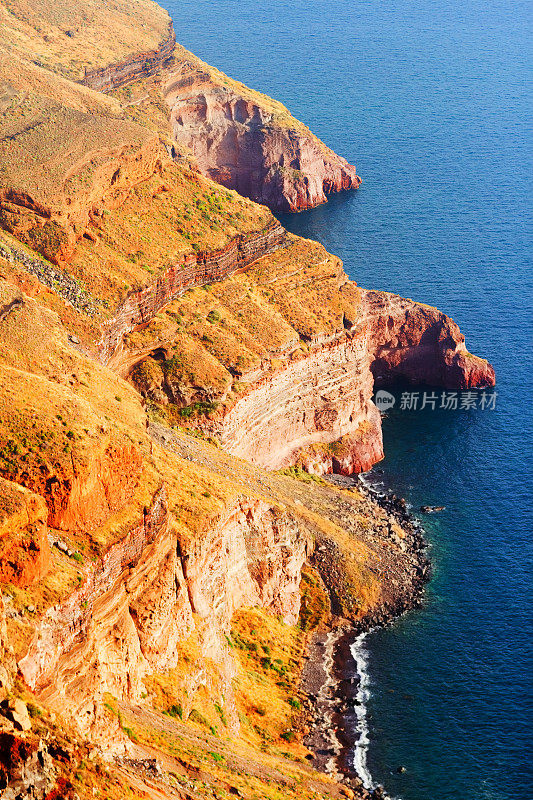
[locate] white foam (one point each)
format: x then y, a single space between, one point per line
360 656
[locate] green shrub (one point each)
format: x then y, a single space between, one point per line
214 316
288 736
220 712
175 711
195 716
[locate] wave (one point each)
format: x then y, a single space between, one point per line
360 656
360 762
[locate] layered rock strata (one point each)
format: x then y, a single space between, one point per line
194 269
151 590
318 409
8 665
251 145
132 68
311 401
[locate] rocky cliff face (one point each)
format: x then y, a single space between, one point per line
194 269
317 410
132 68
150 591
310 402
250 143
413 342
8 665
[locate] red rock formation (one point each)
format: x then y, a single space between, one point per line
21 774
244 145
131 69
318 411
353 453
8 665
413 342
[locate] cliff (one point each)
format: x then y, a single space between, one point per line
416 343
176 372
330 424
143 597
196 269
131 69
249 142
136 603
298 387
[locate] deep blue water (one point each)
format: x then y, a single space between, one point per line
430 101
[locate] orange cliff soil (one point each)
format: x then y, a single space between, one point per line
24 549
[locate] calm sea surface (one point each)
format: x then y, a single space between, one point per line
430 101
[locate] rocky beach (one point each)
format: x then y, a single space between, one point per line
333 678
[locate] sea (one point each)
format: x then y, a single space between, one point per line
432 102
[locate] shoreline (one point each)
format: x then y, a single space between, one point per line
332 679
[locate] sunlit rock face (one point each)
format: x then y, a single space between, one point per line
262 153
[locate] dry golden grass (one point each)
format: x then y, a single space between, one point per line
270 659
79 324
171 214
20 77
308 287
67 37
53 152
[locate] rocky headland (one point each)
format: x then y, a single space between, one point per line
249 142
178 374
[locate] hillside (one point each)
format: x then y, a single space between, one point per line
177 373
